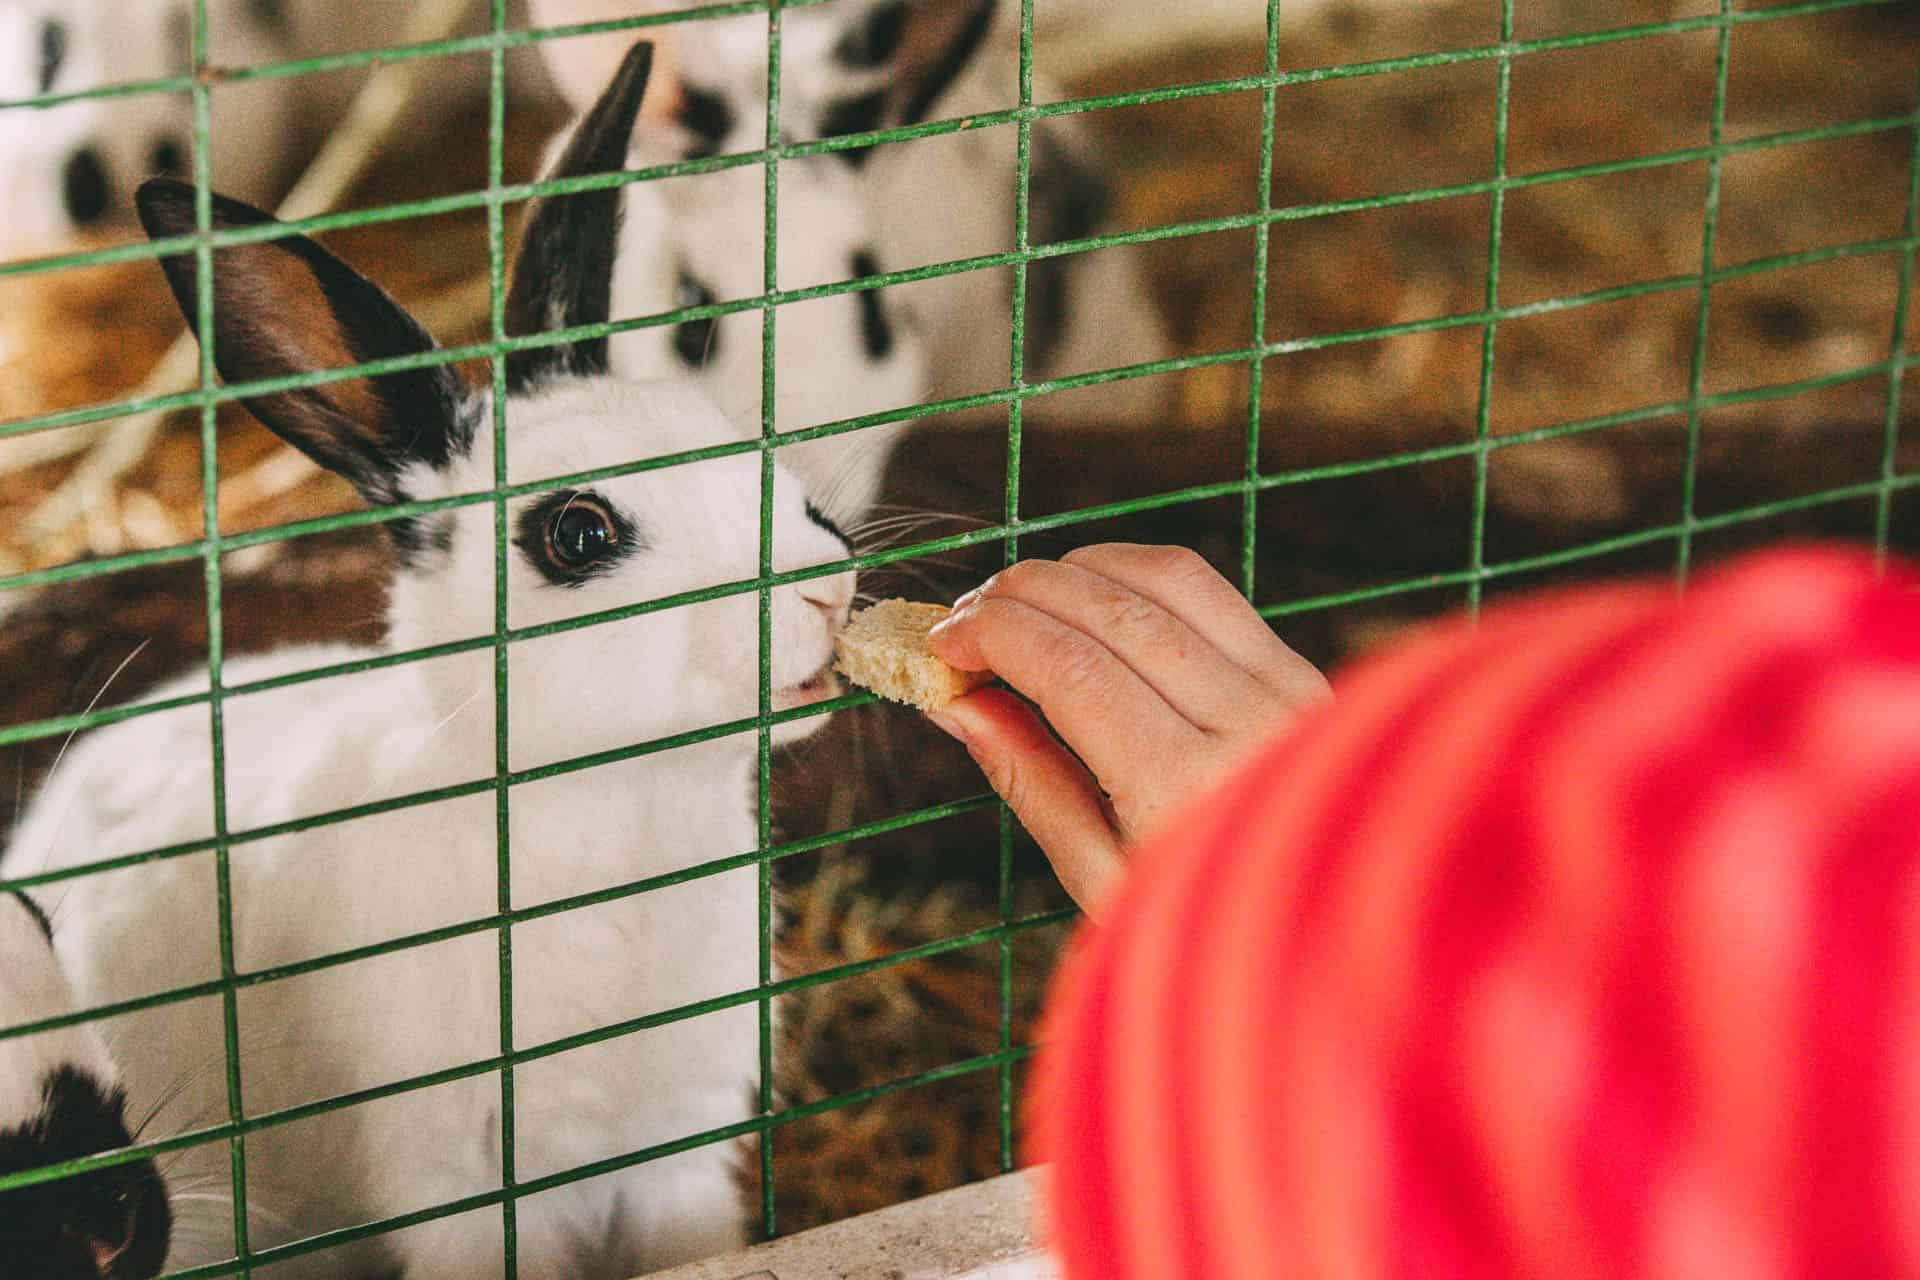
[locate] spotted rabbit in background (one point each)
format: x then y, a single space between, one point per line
870 64
71 168
836 357
285 307
874 64
848 67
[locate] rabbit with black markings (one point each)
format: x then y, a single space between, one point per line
697 240
60 1099
862 65
873 63
284 307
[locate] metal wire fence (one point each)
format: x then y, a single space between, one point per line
1266 222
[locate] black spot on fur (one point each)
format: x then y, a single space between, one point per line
85 187
53 52
272 14
59 1225
874 39
39 916
824 521
564 278
952 60
1066 201
875 334
532 536
708 117
695 341
419 540
168 158
860 114
1786 321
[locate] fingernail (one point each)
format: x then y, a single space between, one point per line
948 725
966 599
940 627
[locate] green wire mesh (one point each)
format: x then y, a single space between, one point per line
1266 225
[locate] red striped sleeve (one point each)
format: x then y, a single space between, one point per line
1579 943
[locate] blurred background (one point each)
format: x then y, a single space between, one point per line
1381 377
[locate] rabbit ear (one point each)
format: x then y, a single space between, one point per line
921 45
287 307
564 278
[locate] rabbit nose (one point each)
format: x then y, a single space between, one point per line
107 1253
86 187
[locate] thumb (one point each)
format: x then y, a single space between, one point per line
1051 792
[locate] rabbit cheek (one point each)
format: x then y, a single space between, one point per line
422 542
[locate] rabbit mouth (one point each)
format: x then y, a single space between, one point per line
818 687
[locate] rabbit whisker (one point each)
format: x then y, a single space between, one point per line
92 702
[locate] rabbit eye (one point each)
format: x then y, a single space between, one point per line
53 52
694 341
581 532
572 537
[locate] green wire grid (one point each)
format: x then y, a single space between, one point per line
210 547
503 795
211 550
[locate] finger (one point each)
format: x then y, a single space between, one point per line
1181 581
1188 671
1106 713
1048 790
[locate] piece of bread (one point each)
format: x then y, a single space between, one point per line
884 648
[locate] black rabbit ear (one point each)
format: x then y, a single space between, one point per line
921 45
564 278
286 307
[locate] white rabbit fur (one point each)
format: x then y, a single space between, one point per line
60 1098
33 988
1103 316
825 369
308 749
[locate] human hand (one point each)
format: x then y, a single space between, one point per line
1155 673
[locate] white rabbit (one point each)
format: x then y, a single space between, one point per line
860 65
285 307
60 1099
